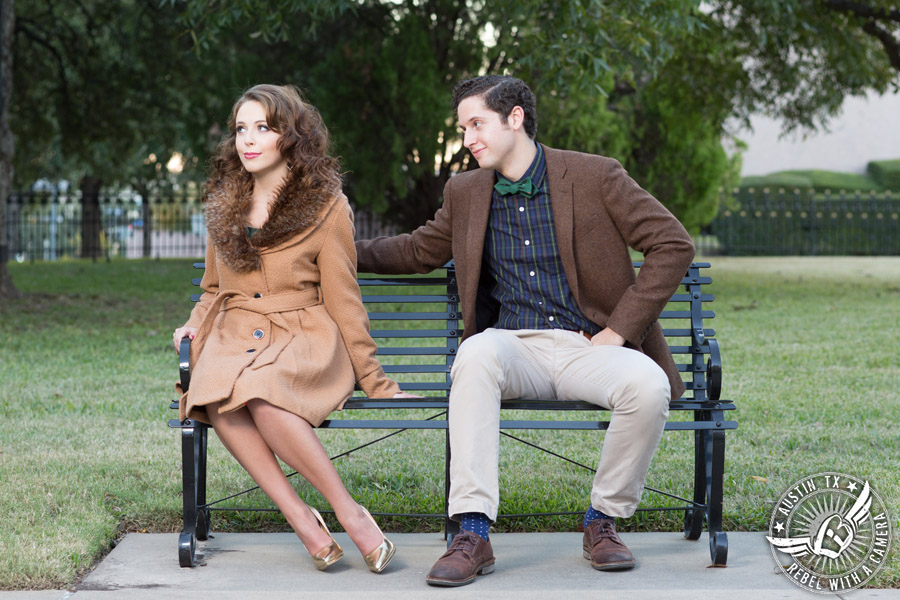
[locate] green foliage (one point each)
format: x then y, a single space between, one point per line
272 20
676 122
109 78
382 73
775 181
689 167
388 119
786 45
812 179
647 81
886 173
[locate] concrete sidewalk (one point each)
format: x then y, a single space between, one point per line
275 566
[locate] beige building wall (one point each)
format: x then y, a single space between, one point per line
867 129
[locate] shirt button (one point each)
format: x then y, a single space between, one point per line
257 295
527 242
258 334
551 318
531 273
521 209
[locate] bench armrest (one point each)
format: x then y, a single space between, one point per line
184 363
714 371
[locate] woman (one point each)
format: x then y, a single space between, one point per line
280 332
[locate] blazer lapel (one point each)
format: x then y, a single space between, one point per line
477 197
562 199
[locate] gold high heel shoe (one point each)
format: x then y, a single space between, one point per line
331 553
378 559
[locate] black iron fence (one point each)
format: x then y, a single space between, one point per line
805 223
53 225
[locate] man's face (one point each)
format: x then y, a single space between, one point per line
488 138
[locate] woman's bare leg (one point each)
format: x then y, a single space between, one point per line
239 434
295 442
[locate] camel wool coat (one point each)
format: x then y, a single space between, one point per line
598 213
281 317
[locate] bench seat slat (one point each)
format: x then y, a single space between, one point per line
409 298
437 351
401 281
514 424
418 316
416 368
686 332
689 298
684 314
361 402
413 333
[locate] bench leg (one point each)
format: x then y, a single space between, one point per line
203 523
190 457
718 539
693 519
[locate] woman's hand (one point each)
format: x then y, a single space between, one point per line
405 395
180 333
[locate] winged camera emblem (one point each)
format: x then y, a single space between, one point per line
836 531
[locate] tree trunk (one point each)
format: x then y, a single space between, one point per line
7 148
146 215
90 217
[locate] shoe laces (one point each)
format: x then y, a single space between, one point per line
607 529
465 542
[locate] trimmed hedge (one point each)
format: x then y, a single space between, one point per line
886 173
817 180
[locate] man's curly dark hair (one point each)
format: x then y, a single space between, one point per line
501 93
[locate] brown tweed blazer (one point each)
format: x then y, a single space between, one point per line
598 212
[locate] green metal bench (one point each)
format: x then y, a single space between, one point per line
419 358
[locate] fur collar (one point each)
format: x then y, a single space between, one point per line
227 202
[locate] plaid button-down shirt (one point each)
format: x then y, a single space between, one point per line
523 258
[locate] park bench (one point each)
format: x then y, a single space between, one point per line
419 358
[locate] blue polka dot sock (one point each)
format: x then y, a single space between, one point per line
592 513
476 523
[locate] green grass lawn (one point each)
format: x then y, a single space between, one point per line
87 372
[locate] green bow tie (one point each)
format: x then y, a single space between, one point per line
524 186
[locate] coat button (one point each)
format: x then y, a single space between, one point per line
257 295
258 334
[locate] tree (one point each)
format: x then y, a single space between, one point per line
803 57
382 72
7 145
108 77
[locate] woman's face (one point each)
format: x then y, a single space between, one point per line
256 143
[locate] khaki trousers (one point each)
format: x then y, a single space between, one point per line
552 364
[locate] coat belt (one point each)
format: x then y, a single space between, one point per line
269 305
276 303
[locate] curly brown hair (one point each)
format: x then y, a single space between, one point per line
304 141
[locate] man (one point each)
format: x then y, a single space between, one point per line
551 308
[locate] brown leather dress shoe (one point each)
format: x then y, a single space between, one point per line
467 557
603 547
